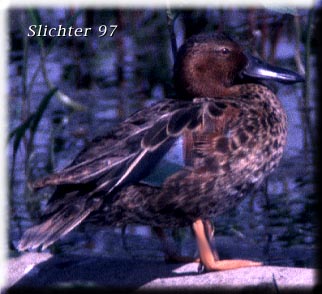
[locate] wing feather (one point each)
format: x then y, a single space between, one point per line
118 155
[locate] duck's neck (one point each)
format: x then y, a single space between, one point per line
189 92
257 93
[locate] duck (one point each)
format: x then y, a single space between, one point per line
181 161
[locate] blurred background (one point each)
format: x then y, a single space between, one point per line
64 91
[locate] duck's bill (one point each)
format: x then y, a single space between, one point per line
258 69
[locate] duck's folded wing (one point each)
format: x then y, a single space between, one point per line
126 155
130 150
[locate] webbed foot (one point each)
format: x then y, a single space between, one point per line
211 262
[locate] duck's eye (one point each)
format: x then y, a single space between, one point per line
225 51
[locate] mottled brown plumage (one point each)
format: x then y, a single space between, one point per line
228 137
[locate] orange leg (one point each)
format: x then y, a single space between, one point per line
210 234
208 260
170 255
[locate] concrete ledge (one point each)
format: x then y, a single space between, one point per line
42 270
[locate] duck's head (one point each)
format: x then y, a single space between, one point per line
209 65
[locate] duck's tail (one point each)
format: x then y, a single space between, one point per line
58 222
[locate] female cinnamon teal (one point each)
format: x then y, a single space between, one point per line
181 161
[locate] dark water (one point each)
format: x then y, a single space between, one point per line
278 220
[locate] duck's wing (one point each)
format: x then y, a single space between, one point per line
130 150
126 155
